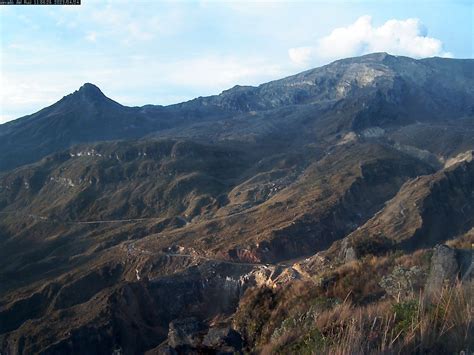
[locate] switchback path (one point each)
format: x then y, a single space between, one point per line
132 248
44 218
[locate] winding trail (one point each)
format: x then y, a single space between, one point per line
65 222
131 249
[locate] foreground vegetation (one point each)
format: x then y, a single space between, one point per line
356 314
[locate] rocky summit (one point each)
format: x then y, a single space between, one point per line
327 212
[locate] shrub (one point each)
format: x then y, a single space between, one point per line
405 315
377 245
306 344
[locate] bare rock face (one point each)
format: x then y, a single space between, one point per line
446 266
189 335
225 339
348 253
184 333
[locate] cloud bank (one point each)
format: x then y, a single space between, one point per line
400 37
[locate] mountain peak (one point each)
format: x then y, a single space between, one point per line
377 57
90 90
92 94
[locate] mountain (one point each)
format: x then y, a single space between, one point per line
391 90
86 115
226 223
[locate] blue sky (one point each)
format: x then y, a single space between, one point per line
142 51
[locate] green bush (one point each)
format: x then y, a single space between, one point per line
309 343
406 314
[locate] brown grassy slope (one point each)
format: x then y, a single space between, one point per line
352 313
427 210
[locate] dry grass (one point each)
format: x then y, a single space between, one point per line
348 312
420 257
413 326
359 279
465 241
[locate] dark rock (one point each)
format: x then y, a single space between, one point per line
223 339
186 332
466 263
188 336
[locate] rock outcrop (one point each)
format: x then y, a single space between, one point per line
447 267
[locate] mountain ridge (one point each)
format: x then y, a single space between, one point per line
378 57
377 79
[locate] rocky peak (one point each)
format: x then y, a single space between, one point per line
89 88
89 93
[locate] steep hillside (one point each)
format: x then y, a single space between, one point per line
427 210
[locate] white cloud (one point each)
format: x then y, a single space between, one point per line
300 55
91 36
219 72
130 25
20 96
400 37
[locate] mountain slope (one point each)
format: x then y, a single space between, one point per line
427 210
117 222
382 90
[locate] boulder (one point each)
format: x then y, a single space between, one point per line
447 266
347 252
223 339
187 332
